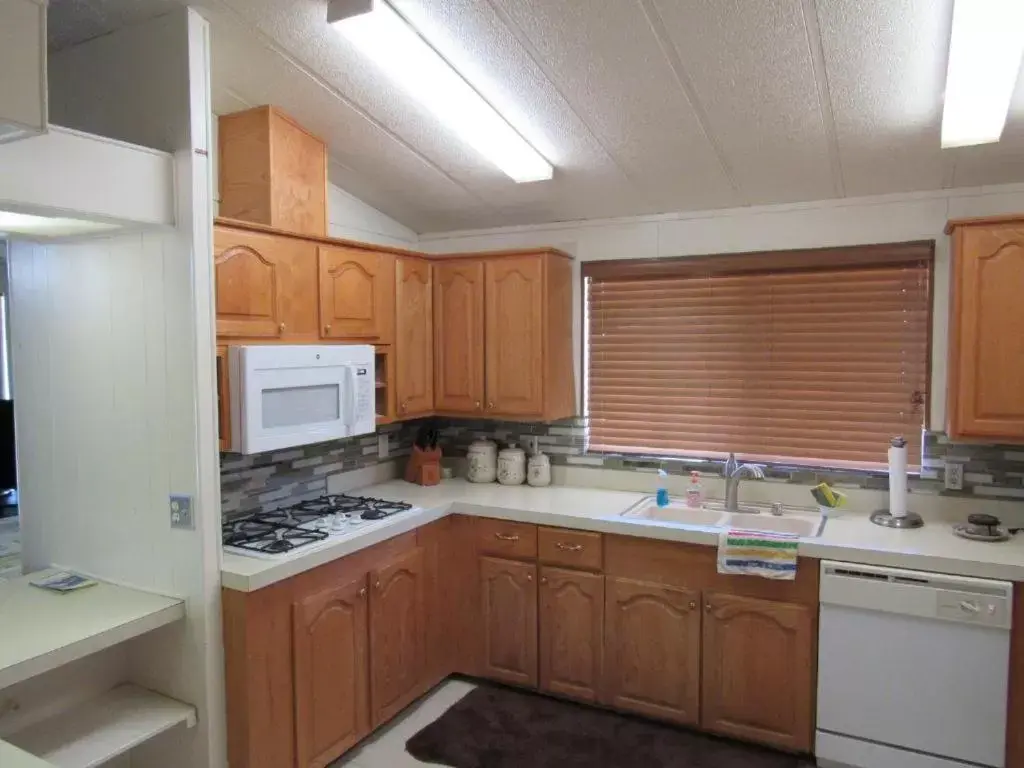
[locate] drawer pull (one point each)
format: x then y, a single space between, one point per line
569 547
506 536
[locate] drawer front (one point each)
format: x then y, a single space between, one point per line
575 549
507 539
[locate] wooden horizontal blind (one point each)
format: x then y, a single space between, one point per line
814 357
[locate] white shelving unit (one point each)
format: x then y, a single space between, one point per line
103 728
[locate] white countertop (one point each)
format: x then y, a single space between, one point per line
849 536
12 757
41 630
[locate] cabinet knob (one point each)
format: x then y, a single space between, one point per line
377 585
490 404
707 607
543 579
529 577
281 327
693 604
362 592
327 330
405 406
477 406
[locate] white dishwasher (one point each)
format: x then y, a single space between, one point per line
912 669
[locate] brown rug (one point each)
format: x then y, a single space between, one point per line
496 727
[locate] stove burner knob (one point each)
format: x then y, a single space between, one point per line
337 523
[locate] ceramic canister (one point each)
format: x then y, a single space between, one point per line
482 462
512 466
538 470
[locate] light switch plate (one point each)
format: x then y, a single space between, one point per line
383 449
181 513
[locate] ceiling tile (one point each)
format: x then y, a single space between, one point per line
886 64
604 57
751 68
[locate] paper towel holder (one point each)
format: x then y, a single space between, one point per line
884 518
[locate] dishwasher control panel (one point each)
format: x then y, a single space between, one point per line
960 599
987 610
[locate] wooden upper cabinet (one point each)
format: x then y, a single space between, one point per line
514 336
265 286
272 171
414 338
503 336
986 365
652 649
571 632
508 620
758 670
357 294
459 336
397 635
329 665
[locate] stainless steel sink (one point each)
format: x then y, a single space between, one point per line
805 522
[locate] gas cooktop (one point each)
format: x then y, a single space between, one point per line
278 532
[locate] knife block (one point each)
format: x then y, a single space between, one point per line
424 467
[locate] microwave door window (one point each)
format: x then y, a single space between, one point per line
297 406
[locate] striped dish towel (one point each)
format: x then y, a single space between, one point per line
755 553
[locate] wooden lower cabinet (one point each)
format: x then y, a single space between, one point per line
329 663
397 635
652 644
314 663
508 620
758 670
571 632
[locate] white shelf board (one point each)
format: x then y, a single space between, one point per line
103 728
12 757
43 630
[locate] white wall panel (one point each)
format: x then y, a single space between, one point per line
882 219
113 351
351 218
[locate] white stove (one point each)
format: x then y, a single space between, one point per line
307 525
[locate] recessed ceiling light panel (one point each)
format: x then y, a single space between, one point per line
377 30
984 62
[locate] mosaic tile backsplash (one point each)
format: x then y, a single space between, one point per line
274 479
989 470
271 480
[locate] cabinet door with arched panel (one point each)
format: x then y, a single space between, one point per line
986 365
357 294
264 286
330 659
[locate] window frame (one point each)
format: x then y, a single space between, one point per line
833 257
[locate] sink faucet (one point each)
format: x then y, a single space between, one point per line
734 472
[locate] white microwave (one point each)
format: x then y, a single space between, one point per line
288 395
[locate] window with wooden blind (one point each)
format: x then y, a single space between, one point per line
814 357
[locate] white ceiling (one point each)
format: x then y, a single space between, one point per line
643 106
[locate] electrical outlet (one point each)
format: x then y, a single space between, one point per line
954 477
181 513
383 449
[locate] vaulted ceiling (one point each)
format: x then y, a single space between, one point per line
643 106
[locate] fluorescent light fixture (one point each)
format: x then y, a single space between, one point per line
385 37
45 226
984 62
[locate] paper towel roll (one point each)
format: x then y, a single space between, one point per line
898 477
